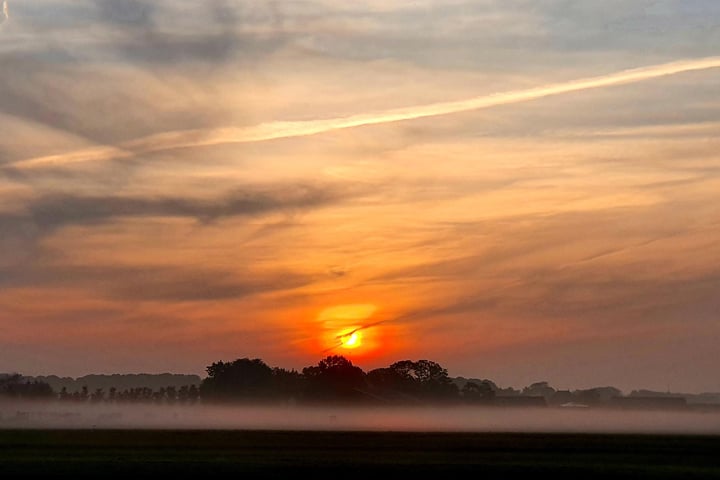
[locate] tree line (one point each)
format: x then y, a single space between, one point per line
15 386
334 379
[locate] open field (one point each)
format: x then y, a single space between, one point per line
345 454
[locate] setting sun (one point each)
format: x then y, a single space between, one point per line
345 327
352 340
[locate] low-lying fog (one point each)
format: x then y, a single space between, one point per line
457 419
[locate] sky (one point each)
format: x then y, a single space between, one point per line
518 190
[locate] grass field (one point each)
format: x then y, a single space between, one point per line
286 454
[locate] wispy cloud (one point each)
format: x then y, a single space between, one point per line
144 283
290 129
52 211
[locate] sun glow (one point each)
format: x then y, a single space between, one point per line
340 313
351 340
345 327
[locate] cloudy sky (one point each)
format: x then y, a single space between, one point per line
519 190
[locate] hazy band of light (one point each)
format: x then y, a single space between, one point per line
290 129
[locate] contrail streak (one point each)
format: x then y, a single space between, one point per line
339 338
290 129
363 327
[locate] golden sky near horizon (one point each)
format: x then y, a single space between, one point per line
518 190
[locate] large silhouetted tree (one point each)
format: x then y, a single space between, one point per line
288 385
246 380
242 379
393 386
425 379
336 379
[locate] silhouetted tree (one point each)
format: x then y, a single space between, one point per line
193 394
393 385
242 379
146 394
83 395
159 396
288 385
170 395
539 389
63 395
183 395
478 393
16 387
427 379
97 396
335 378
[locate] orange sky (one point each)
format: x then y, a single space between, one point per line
181 184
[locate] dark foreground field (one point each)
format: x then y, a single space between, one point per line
290 454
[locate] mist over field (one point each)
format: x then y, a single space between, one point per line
41 415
